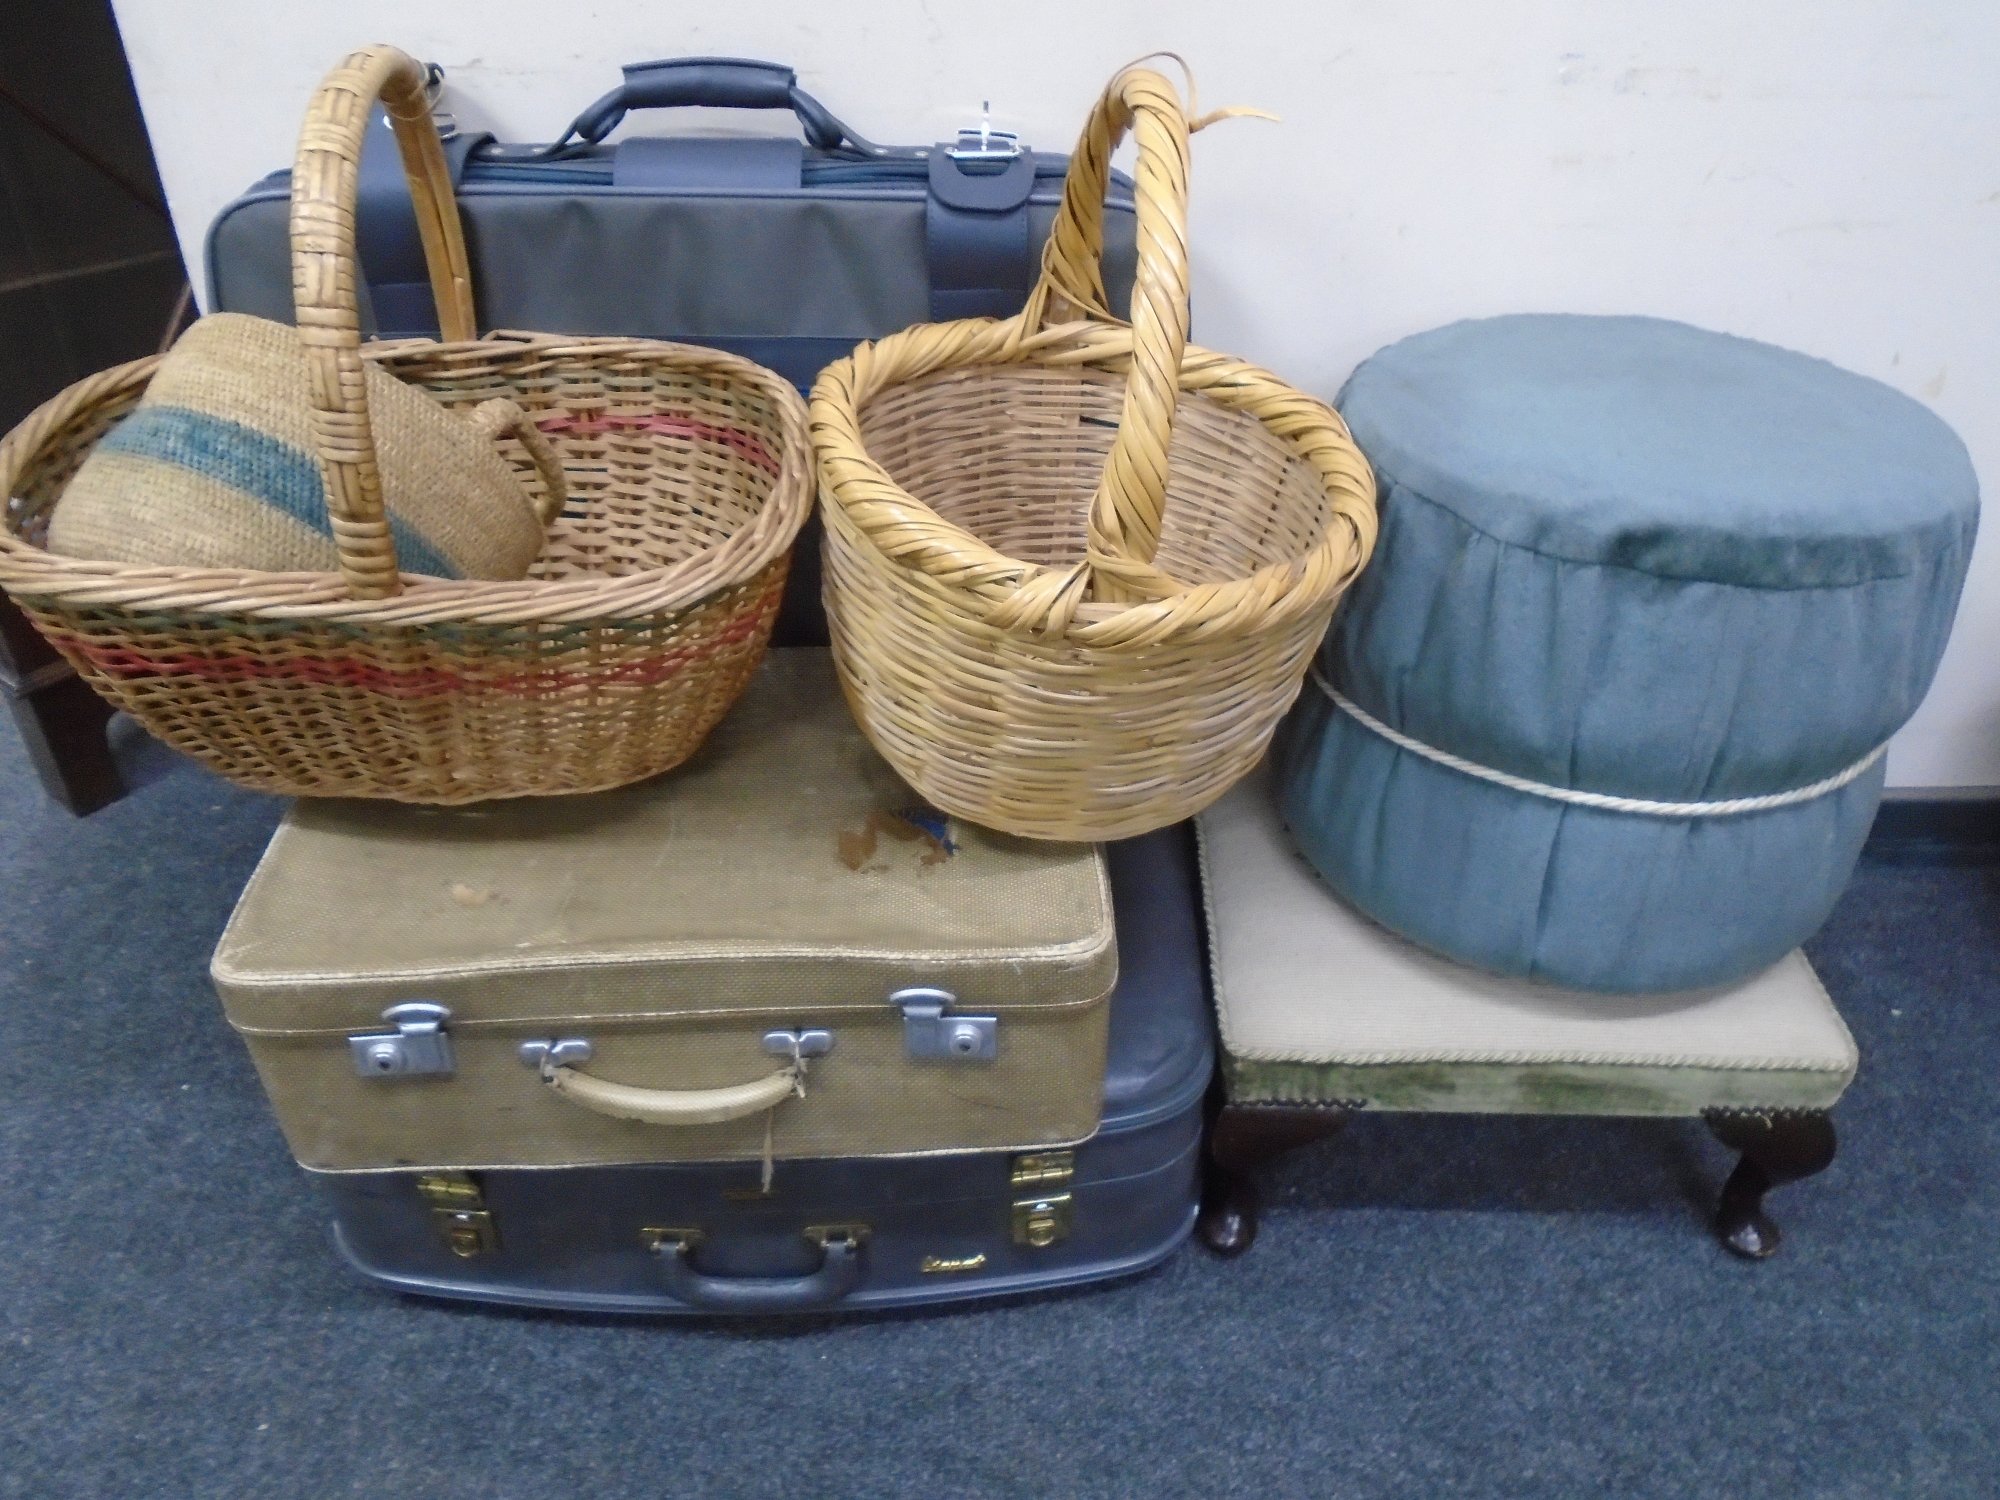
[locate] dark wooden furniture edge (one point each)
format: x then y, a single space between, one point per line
61 720
1777 1146
1936 826
1242 1140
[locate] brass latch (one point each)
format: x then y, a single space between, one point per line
1041 1222
458 1212
856 1235
1044 1169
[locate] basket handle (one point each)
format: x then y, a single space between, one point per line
1125 515
325 274
500 418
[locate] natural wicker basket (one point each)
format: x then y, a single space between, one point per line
688 478
1064 604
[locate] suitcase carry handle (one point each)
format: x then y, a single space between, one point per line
710 83
623 1101
838 1274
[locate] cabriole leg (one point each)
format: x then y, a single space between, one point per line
1244 1139
1778 1147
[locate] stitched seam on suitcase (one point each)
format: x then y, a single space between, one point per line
877 1011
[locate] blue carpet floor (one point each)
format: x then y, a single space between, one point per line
1436 1307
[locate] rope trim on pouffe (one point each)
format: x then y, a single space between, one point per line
1599 800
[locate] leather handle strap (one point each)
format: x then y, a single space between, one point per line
623 1101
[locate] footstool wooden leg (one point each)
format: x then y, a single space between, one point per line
1778 1147
1244 1139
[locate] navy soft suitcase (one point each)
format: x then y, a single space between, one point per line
854 1233
789 250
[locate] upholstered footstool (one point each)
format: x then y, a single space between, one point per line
1607 708
1324 1013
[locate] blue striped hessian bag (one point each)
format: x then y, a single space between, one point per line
215 468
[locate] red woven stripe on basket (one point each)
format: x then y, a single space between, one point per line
746 444
128 664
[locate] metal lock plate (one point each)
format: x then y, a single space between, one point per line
806 1044
666 1237
459 1213
1041 1222
982 143
466 1232
1043 1169
929 1033
561 1052
418 1045
450 1190
856 1235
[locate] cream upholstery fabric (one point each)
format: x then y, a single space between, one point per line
1317 1002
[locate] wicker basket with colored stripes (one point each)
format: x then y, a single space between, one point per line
1075 569
688 477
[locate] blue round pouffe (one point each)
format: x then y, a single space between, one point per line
1631 575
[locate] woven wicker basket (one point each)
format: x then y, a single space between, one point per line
688 478
1071 596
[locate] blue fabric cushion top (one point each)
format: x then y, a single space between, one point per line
1627 556
1651 445
1623 556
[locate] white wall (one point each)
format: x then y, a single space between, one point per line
1817 173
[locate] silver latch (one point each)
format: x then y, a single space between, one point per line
798 1043
983 142
419 1043
563 1053
929 1032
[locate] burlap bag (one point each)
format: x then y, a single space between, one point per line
216 468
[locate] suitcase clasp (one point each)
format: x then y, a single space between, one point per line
798 1044
929 1032
459 1213
419 1044
1042 1222
982 143
563 1052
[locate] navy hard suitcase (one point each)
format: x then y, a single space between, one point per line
855 1233
787 251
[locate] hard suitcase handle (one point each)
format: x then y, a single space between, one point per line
712 83
838 1274
624 1101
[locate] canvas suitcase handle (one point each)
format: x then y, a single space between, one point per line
624 1101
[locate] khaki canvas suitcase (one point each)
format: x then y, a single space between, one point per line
773 952
852 1233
